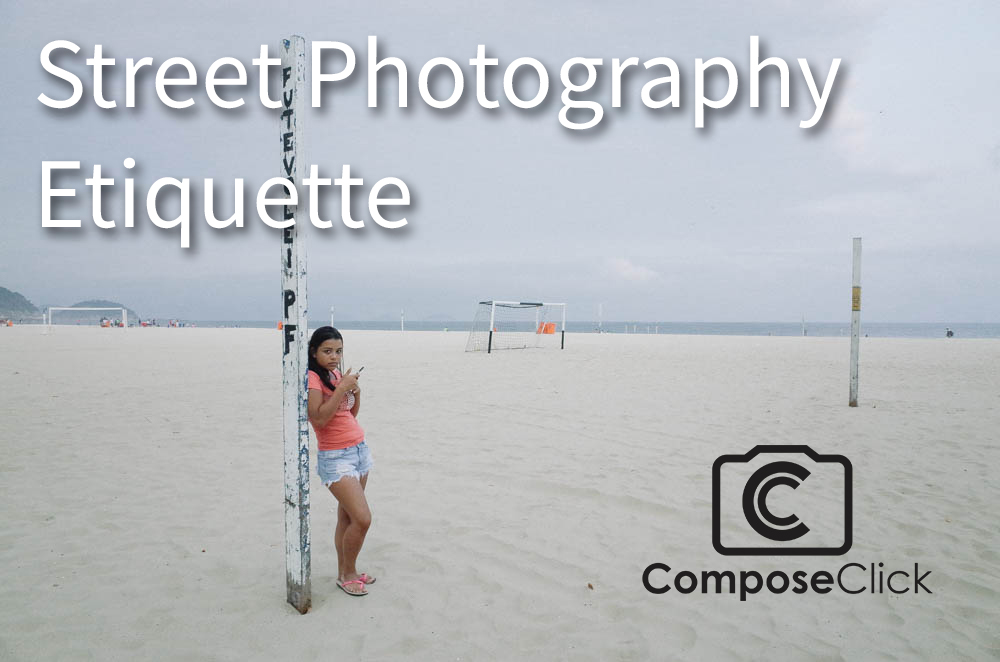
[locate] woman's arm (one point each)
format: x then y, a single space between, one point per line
357 401
321 412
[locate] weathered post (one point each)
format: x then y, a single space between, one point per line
855 321
294 362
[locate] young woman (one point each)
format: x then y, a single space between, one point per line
344 460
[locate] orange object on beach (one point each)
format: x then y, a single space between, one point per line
280 325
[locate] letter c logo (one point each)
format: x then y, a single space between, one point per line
777 528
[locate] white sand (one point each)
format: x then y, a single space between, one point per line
141 486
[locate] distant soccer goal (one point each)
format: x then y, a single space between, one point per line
86 316
517 325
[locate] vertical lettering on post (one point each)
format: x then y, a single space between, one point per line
294 362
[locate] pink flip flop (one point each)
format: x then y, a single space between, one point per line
343 587
366 578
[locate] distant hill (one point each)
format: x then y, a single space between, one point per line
13 305
102 303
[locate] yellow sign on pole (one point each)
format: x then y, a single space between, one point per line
855 321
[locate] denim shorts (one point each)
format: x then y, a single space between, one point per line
355 461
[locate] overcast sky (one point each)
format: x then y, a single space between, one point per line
749 219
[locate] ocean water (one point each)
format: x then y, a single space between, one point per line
820 329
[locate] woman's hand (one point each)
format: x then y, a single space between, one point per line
348 382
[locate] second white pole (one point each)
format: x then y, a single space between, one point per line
855 321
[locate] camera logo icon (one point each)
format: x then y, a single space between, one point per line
781 500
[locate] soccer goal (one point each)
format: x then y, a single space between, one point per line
64 317
517 325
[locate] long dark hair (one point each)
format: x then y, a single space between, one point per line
320 336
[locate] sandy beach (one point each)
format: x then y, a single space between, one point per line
517 498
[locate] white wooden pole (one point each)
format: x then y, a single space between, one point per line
331 315
855 321
294 362
493 311
562 337
401 328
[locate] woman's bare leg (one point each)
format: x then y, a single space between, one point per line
351 497
343 520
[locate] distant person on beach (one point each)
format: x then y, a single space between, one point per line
948 333
344 460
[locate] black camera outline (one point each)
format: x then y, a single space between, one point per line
777 551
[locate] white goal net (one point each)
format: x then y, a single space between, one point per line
81 316
517 325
